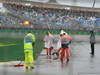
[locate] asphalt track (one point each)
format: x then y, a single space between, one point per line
81 63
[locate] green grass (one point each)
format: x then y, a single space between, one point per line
16 51
13 52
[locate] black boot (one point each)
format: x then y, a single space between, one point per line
67 59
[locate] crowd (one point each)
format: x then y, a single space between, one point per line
48 16
9 20
58 45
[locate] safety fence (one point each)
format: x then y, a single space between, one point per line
43 31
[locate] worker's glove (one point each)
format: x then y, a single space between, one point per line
70 42
33 43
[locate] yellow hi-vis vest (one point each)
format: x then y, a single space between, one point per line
28 40
28 46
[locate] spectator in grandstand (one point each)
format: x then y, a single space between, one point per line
65 41
92 41
29 41
48 43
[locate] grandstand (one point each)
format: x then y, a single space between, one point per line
52 16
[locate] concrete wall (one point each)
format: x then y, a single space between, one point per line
77 38
85 38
